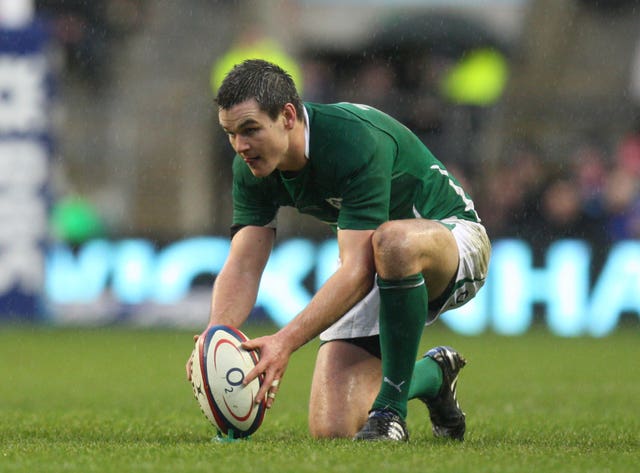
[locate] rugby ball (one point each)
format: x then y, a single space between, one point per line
219 366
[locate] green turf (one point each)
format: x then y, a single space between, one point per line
116 400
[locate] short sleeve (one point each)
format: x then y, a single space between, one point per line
254 199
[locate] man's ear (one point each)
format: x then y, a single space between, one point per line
290 116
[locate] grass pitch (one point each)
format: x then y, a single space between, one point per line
117 400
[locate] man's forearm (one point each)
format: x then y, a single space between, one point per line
345 288
236 287
233 298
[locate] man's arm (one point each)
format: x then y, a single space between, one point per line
236 287
347 286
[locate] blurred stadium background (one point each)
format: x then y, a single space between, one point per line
115 181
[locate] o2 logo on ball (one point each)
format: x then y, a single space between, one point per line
238 404
231 374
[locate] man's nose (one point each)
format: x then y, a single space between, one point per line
240 144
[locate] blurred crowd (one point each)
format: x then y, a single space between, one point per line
592 193
89 33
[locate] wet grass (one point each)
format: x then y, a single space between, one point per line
102 400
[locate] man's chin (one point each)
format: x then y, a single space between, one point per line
260 167
259 172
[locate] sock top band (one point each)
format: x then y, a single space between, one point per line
414 280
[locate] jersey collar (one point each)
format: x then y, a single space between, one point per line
307 133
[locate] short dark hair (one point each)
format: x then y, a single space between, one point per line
270 85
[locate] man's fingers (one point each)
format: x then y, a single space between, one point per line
253 374
250 345
268 390
259 368
273 390
189 365
190 360
271 366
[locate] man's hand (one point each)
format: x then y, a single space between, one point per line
274 358
190 359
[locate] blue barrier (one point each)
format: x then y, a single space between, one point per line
135 272
25 152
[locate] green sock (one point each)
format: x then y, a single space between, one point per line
403 312
426 380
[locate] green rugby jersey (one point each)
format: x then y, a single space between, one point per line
364 168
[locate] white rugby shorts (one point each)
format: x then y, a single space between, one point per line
474 248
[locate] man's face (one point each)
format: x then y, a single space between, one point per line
260 141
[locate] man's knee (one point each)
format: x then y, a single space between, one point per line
402 248
391 248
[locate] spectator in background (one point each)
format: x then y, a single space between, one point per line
510 201
589 164
499 200
562 214
253 43
375 86
628 153
622 205
317 77
621 196
87 30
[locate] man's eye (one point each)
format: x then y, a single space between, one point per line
250 131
